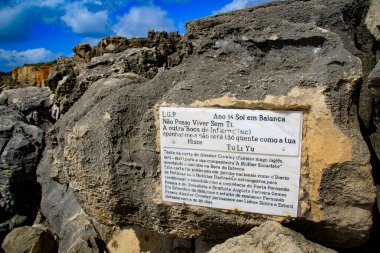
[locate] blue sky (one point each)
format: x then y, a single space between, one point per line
42 30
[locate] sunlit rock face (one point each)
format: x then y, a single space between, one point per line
32 75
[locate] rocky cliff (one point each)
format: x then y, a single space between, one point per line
6 81
32 75
100 172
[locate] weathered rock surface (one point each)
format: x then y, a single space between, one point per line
21 146
29 240
374 79
113 56
373 18
374 85
165 43
82 52
142 240
26 99
14 222
6 81
34 102
270 237
66 217
289 55
22 112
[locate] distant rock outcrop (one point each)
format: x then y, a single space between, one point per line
165 43
6 81
114 55
32 75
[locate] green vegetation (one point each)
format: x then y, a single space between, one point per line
41 64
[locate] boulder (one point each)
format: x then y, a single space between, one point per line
114 44
66 217
34 102
82 52
287 55
21 146
30 240
14 222
136 239
6 81
270 237
27 99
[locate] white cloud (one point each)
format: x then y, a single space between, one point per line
240 4
13 58
139 20
84 22
85 17
17 17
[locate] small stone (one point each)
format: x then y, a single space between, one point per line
31 240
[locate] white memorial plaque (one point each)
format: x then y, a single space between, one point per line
237 159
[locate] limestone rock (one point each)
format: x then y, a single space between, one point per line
29 240
288 55
270 237
136 239
21 146
82 52
87 245
374 85
165 42
373 18
65 215
27 99
32 75
6 81
14 222
374 79
62 68
35 103
113 56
